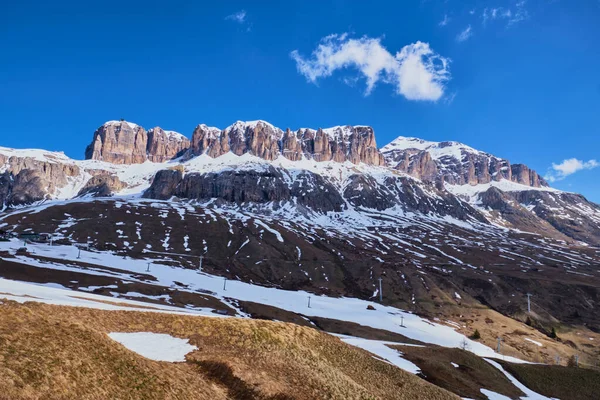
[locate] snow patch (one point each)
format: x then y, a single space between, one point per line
155 346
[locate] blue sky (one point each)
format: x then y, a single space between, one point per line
517 79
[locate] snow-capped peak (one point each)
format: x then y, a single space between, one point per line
114 122
175 135
171 135
339 131
36 154
250 124
436 149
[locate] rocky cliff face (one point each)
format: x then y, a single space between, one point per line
26 187
249 186
454 163
520 173
343 143
29 177
118 142
207 140
165 145
122 142
340 144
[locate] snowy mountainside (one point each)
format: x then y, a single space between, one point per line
323 170
424 261
455 163
312 211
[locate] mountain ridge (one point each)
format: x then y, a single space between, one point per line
338 169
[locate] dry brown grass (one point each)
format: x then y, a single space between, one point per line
116 303
179 168
54 352
513 333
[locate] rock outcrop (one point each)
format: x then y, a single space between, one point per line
291 146
26 187
54 171
165 145
520 173
31 176
344 143
248 186
102 185
118 142
122 142
207 139
164 184
454 163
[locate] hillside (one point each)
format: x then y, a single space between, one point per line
58 352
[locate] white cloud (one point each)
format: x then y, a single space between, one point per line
445 21
465 34
510 15
520 13
239 17
416 71
568 167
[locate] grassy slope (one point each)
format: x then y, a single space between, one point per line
472 374
53 352
565 383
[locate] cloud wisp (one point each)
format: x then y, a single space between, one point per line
465 34
416 71
558 172
239 17
445 21
510 15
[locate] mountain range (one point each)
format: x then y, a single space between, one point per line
323 210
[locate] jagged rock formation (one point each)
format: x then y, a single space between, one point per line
520 173
208 140
355 144
291 146
454 163
122 142
165 145
118 142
